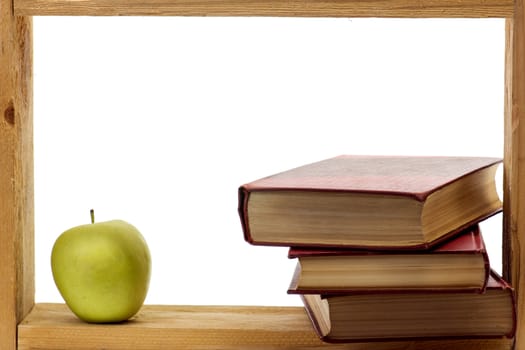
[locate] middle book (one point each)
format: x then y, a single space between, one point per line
460 263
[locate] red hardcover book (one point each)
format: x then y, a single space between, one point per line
374 202
397 315
461 263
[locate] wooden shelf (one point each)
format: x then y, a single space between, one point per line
54 327
291 8
24 325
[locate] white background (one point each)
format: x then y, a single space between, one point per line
157 121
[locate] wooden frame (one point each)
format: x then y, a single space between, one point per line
24 325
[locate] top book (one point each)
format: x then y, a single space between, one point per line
372 202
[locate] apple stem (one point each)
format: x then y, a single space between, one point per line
92 213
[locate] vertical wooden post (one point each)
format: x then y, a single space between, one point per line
16 173
514 173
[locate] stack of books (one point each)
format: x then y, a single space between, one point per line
387 247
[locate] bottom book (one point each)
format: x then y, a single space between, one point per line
400 315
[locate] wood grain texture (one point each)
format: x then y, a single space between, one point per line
514 164
16 173
53 326
289 8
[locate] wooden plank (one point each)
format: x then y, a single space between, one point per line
514 164
292 8
53 326
509 204
16 173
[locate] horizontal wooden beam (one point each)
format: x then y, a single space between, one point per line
53 326
278 8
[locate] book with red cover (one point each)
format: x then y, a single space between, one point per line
461 263
381 316
373 202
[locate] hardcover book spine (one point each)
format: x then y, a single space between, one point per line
243 196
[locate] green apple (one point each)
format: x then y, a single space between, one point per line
102 270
